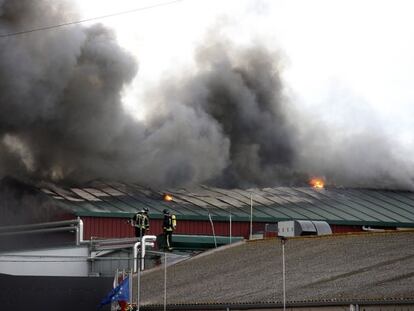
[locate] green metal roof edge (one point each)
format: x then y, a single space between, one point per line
244 219
370 223
182 217
193 238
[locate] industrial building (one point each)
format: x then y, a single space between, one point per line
82 232
105 207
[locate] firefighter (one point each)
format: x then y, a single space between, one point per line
141 223
169 226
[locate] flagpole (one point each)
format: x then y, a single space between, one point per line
130 287
115 284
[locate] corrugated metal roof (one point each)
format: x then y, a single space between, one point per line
334 205
376 266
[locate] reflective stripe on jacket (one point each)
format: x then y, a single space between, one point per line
141 220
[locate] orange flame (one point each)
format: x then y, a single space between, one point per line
167 197
317 182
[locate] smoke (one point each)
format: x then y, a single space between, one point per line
273 140
348 144
237 90
61 115
59 93
22 204
227 121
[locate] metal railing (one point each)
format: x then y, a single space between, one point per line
46 227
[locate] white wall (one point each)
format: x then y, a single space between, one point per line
65 261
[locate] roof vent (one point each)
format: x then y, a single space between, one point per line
293 228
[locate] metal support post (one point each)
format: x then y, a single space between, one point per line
284 273
165 281
230 226
147 240
135 254
212 228
138 287
251 216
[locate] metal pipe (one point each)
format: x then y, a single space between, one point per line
40 225
79 232
135 253
58 229
365 228
212 228
47 227
135 259
147 240
114 241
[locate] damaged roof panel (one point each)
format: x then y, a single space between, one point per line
335 205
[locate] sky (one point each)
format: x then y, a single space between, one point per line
343 60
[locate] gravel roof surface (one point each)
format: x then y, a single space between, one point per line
352 266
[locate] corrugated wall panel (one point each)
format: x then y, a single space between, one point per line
204 228
344 229
107 227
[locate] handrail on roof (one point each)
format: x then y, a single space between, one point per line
39 225
47 227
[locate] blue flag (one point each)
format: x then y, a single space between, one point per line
121 292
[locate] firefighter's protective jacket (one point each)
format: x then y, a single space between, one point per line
141 220
170 222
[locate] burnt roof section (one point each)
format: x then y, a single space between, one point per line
369 266
334 205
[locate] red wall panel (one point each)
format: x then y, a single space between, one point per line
107 227
344 228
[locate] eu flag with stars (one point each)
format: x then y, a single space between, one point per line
119 293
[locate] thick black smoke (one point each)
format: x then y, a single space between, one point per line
60 107
61 115
226 121
239 91
271 140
